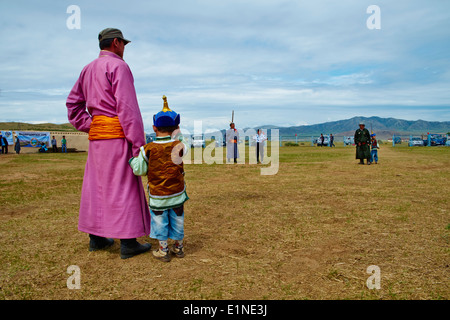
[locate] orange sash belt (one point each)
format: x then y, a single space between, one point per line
103 127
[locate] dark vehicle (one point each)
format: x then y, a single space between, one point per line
437 140
397 140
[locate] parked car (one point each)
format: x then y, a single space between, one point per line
326 141
415 141
437 140
349 141
224 143
198 141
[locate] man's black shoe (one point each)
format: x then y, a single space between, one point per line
130 248
99 243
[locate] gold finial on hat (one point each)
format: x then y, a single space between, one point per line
166 105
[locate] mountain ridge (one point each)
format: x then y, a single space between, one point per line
379 125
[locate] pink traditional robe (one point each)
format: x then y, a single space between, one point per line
113 202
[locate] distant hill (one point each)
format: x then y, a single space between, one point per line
21 126
384 127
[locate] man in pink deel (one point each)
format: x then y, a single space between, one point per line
103 103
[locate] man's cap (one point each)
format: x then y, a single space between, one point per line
166 117
362 123
111 33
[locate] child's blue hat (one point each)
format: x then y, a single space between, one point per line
373 135
166 117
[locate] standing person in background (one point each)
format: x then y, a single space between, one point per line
64 144
103 103
232 136
4 144
362 141
259 138
332 140
17 145
375 146
54 147
321 139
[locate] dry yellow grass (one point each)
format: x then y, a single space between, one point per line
308 232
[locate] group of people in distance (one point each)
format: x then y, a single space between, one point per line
63 144
321 140
366 145
5 143
42 146
232 141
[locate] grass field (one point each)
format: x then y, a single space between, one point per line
308 232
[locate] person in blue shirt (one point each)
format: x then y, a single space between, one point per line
4 144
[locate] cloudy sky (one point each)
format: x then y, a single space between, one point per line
274 62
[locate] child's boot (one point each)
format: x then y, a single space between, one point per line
163 252
177 250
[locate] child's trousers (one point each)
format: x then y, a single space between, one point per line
167 224
374 155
